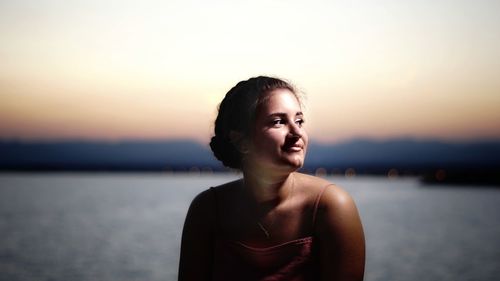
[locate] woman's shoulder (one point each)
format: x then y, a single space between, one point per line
311 183
209 196
225 189
331 195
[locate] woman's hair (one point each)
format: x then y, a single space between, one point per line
237 113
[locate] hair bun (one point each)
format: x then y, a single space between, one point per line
225 152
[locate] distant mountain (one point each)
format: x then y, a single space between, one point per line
407 152
363 155
92 155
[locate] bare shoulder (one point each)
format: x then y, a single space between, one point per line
201 208
340 232
310 183
337 198
333 197
337 214
206 198
227 189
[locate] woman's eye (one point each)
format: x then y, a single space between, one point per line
299 121
278 122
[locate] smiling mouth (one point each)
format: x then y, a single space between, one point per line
293 148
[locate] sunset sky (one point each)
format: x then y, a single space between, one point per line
113 70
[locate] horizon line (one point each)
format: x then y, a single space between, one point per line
195 140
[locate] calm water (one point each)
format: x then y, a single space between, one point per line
127 227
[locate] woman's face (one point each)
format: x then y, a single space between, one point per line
279 140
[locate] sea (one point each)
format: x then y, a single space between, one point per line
127 226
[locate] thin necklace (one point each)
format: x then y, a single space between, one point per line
266 232
263 230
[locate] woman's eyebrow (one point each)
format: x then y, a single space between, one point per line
281 114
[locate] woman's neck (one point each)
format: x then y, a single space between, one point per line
273 189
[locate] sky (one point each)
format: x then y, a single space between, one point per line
114 70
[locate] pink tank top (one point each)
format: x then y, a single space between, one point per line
294 260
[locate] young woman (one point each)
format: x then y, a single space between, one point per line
274 223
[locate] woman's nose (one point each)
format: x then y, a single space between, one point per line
295 130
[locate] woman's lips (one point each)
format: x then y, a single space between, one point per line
293 148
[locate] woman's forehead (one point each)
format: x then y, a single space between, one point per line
280 101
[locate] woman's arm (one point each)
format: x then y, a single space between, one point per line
197 240
341 238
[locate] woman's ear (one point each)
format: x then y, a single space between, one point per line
239 141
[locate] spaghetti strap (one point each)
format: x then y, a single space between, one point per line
316 204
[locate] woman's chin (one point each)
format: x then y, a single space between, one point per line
294 163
